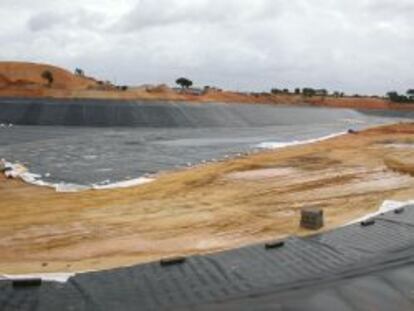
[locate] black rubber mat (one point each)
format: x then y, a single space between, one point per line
352 268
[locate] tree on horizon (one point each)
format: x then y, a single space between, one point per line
48 75
308 92
397 98
410 95
184 82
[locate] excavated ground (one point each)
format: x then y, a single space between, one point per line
207 208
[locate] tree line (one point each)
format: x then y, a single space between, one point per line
308 92
395 97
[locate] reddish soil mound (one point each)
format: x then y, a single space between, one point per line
352 102
21 74
4 81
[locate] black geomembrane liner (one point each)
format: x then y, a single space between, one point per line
351 268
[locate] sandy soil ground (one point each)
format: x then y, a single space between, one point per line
207 208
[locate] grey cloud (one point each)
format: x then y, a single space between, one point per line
45 20
149 13
67 21
390 7
356 46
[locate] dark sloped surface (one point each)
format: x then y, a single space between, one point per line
388 288
157 114
352 268
389 113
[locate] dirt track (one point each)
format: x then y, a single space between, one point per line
208 208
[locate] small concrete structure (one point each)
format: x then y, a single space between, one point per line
312 218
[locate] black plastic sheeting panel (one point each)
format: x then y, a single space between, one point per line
98 113
155 114
352 268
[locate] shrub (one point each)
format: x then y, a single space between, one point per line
397 98
309 92
48 75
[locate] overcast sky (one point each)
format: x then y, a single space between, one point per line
364 46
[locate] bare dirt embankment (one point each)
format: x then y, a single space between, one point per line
25 80
18 75
208 208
